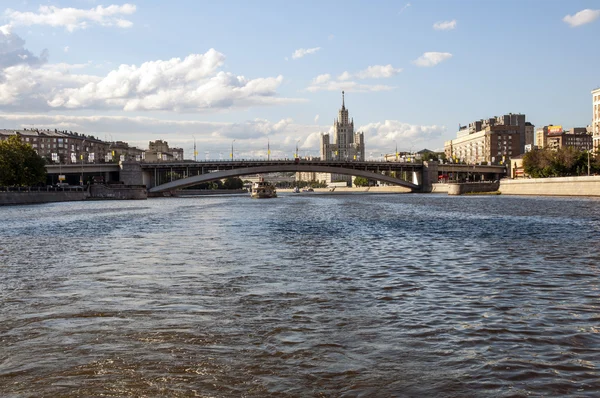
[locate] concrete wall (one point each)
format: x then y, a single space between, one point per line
26 198
101 191
559 186
472 187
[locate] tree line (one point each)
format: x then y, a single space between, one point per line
540 163
20 165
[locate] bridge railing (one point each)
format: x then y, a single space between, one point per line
48 188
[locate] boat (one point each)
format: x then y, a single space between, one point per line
296 190
263 189
308 190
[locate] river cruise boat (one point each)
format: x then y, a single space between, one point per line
263 189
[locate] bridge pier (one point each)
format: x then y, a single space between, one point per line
429 176
131 173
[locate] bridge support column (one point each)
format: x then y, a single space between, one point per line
429 176
131 173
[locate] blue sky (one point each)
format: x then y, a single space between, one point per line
253 71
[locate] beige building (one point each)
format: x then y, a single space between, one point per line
346 146
495 140
63 147
159 151
596 119
555 137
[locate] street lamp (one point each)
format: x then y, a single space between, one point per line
232 150
195 152
81 155
296 154
268 150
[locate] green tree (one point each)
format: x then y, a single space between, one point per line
361 182
233 183
20 164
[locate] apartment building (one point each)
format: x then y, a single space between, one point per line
596 119
495 140
159 151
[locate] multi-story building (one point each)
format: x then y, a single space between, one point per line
554 137
529 136
159 151
576 137
494 140
346 146
63 147
596 119
121 151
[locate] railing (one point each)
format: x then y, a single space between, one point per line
42 189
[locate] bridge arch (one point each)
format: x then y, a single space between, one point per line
221 174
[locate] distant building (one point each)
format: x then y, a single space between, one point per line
529 136
159 151
495 140
346 146
65 147
596 119
554 137
121 151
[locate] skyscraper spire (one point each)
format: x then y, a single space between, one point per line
343 104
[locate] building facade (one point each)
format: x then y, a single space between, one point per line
596 119
63 147
159 151
346 146
554 137
494 141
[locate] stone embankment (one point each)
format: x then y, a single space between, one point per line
33 195
28 196
473 187
118 192
558 186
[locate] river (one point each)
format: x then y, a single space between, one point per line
301 296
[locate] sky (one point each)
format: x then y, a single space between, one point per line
249 74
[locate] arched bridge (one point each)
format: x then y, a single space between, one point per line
199 172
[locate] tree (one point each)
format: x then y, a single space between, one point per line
20 164
233 183
361 182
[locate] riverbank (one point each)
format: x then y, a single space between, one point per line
557 186
351 190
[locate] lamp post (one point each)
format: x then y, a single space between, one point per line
268 150
232 150
296 154
81 155
195 152
588 151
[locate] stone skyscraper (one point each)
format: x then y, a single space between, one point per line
347 145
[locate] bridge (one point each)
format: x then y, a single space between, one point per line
161 176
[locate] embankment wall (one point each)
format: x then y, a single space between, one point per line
29 198
558 186
120 192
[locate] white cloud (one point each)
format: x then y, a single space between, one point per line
66 49
190 84
445 25
344 82
347 86
582 17
73 18
404 8
382 137
378 72
301 52
431 59
317 119
13 51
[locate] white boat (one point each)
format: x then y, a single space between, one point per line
296 190
263 189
